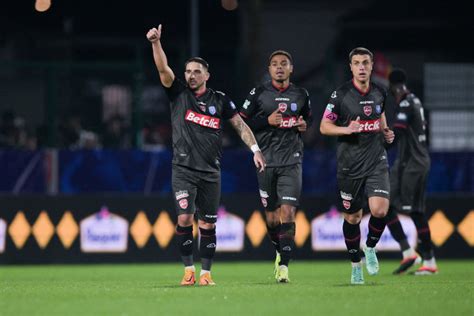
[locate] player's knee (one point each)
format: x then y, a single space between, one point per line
206 225
353 219
288 213
185 220
379 212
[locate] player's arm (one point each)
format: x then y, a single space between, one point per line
166 74
388 134
248 138
306 118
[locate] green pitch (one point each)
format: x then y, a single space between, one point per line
316 288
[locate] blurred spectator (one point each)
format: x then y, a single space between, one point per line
116 134
73 136
13 132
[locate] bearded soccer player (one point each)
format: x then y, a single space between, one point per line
197 113
278 113
355 114
409 175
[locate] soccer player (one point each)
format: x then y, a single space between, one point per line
355 114
196 114
278 112
408 176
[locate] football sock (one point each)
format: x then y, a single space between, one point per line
207 247
424 235
287 242
274 233
352 238
396 229
376 227
184 236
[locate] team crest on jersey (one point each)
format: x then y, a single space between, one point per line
183 204
367 110
378 109
212 109
294 107
203 108
282 106
346 204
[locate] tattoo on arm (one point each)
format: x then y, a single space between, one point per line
243 130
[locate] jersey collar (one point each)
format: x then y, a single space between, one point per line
281 89
360 91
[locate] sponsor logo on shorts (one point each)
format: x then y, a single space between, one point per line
183 204
282 106
263 194
203 120
210 216
346 196
369 126
346 204
264 202
380 191
181 194
289 198
288 122
367 110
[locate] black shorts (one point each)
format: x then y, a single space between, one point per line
353 192
408 190
196 190
280 185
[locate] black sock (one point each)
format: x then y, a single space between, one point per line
396 229
424 235
287 242
352 238
207 247
273 233
376 227
184 236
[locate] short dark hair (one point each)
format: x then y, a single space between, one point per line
397 76
360 51
197 60
280 52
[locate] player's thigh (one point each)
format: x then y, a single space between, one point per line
267 188
413 191
351 194
184 190
289 183
208 199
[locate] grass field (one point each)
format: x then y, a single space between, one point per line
247 288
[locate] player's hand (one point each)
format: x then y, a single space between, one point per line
259 161
275 118
301 124
354 126
389 135
154 34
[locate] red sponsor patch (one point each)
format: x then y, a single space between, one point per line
203 120
346 204
282 107
264 202
288 122
367 110
183 203
369 126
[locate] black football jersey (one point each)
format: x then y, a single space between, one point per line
411 134
358 153
282 145
197 126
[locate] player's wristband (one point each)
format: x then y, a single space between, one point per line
254 148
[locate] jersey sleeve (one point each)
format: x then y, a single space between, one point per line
306 110
247 109
403 114
175 89
333 108
228 107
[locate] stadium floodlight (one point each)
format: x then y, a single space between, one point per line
42 5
